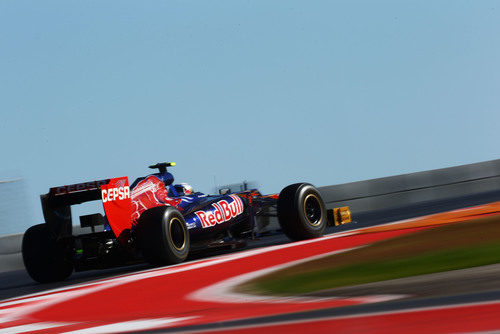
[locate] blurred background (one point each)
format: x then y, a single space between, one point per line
14 211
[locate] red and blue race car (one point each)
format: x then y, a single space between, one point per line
160 222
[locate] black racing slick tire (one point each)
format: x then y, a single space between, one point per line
44 258
162 236
301 212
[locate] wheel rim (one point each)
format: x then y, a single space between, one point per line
177 233
313 210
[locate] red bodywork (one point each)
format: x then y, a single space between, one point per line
118 206
124 207
150 193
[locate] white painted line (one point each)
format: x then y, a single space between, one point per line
224 291
32 327
130 326
377 298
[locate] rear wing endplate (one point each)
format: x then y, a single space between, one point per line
115 196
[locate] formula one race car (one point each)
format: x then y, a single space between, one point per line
157 221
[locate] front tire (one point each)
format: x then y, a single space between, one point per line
44 258
301 212
162 236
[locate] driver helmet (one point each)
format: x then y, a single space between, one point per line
184 189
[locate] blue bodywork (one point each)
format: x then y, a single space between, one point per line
206 214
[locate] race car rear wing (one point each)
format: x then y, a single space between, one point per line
114 194
76 193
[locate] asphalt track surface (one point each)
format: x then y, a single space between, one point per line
344 314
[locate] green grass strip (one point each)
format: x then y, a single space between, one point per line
360 273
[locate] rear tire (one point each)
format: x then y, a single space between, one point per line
301 212
162 236
44 258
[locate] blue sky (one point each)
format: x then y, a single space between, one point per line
273 91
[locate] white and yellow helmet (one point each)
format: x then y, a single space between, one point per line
184 189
